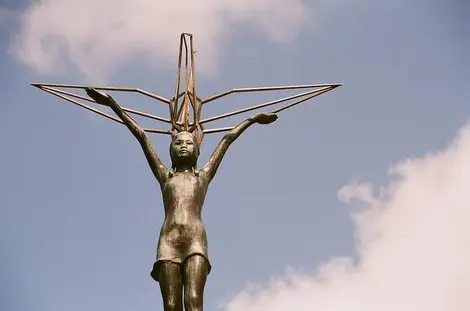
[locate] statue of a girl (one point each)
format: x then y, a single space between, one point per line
182 263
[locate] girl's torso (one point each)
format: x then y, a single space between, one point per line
183 198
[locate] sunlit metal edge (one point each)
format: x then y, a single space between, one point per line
267 88
270 103
218 130
137 112
301 101
229 128
106 88
82 105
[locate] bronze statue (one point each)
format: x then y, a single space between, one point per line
182 263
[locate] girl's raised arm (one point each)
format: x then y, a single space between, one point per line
210 169
158 168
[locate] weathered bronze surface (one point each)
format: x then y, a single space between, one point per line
182 262
182 257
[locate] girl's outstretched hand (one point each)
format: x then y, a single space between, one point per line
99 97
265 117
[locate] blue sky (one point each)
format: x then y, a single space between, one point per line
81 212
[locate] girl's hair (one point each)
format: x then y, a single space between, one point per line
172 156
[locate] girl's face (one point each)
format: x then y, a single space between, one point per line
183 148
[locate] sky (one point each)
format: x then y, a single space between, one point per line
355 200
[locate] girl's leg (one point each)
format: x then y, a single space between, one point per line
194 279
171 286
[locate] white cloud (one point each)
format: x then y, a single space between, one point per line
95 36
413 246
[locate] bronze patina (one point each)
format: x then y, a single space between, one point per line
182 257
182 262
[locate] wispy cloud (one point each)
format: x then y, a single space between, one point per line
413 242
95 37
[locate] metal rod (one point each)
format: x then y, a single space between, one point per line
68 94
180 111
178 78
229 114
82 105
268 88
196 105
157 131
140 113
301 100
105 88
202 132
185 46
180 94
218 130
158 97
179 105
186 87
225 129
191 101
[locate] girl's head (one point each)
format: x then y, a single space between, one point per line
184 151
